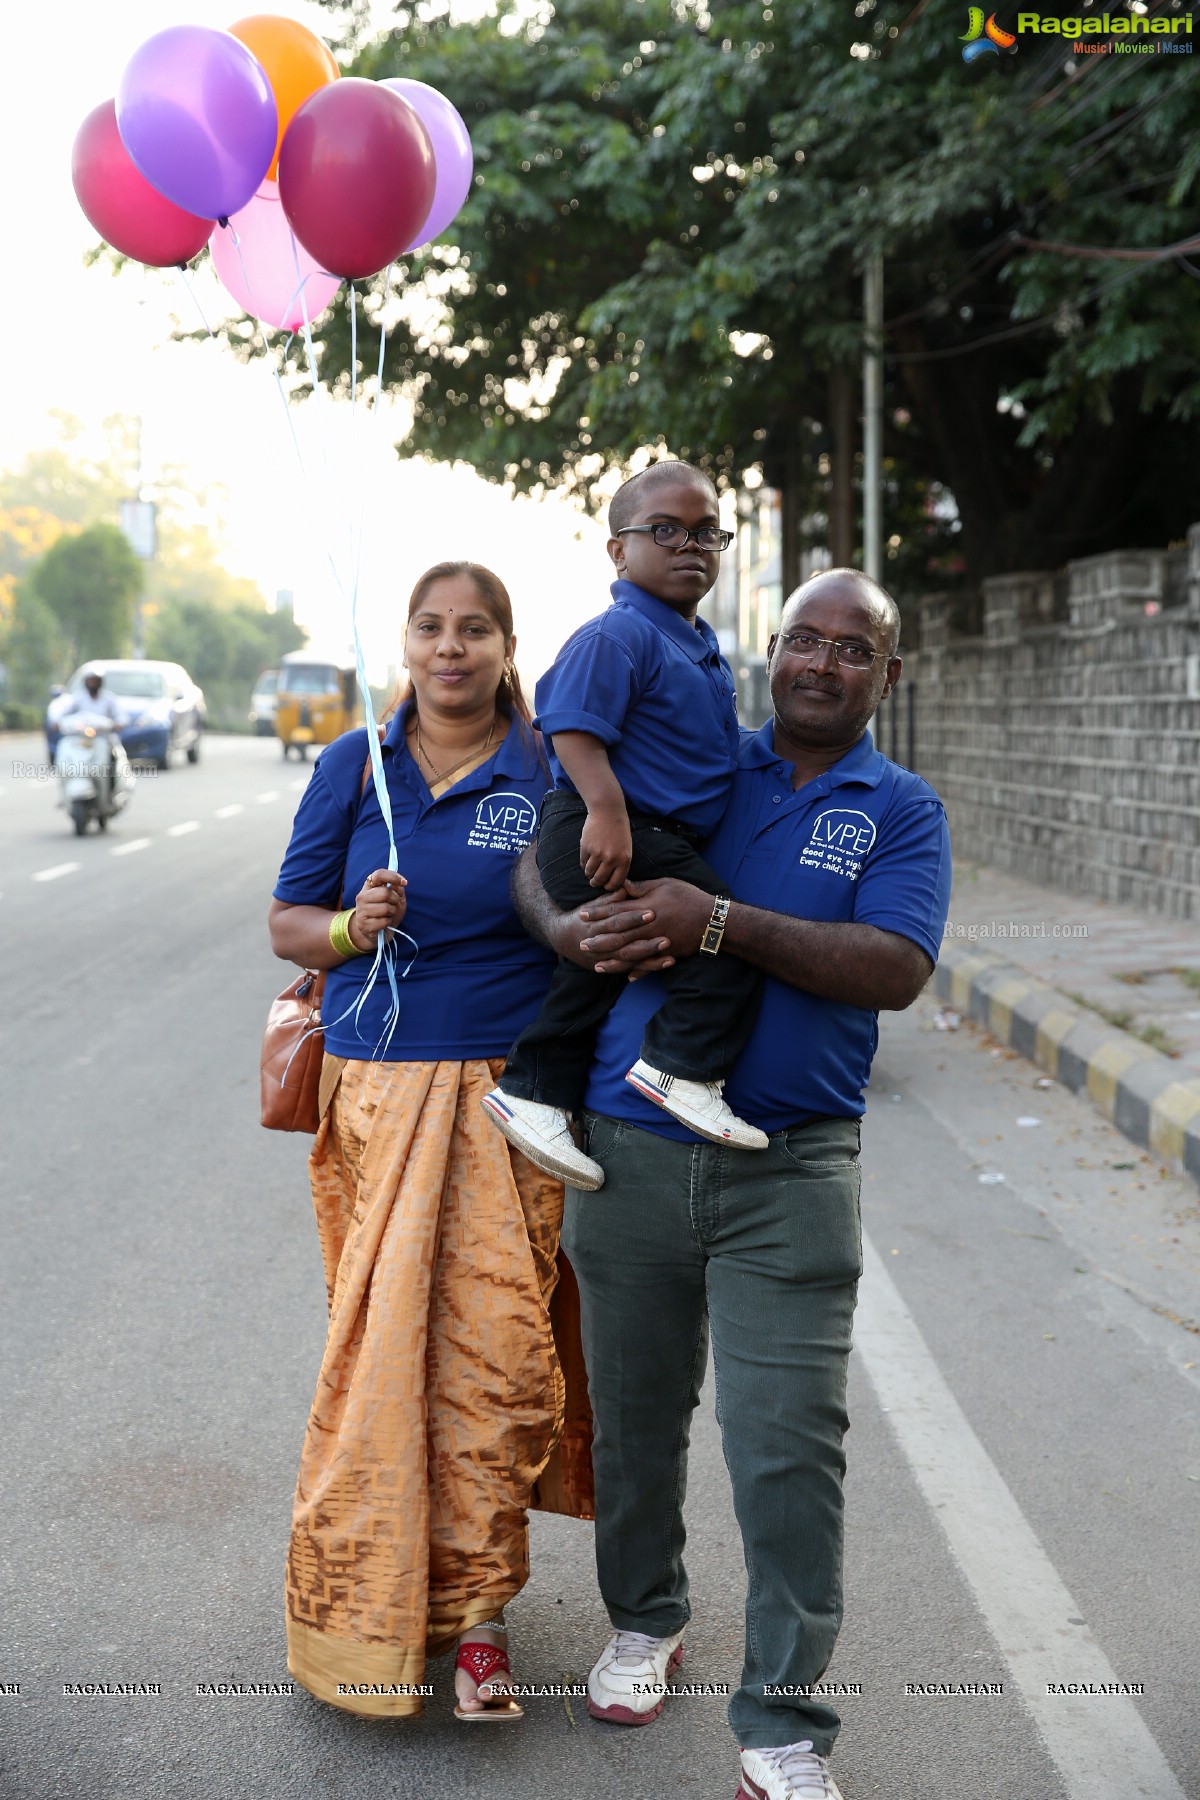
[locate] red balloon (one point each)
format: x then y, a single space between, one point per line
127 212
356 176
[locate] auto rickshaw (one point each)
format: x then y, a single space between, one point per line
317 700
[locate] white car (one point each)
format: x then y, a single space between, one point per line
162 708
262 703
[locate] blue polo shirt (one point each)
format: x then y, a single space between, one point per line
658 694
476 978
865 842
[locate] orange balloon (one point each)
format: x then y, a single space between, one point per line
295 61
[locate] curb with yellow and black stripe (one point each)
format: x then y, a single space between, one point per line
1136 1087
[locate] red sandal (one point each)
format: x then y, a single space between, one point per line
481 1662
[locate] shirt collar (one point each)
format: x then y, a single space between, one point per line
699 640
393 737
862 763
513 757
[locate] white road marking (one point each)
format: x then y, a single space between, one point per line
271 794
54 873
182 830
298 787
228 812
1099 1742
133 844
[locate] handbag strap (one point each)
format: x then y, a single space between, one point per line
366 776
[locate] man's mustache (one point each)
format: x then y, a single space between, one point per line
824 687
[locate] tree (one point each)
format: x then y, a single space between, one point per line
32 647
223 647
89 581
673 206
198 614
26 533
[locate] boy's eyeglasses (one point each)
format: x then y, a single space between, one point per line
849 654
674 537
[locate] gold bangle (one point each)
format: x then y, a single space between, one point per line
714 931
339 934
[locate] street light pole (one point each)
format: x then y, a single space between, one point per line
873 417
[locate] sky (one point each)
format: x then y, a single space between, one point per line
81 341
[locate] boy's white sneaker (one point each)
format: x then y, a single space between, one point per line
627 1685
698 1105
542 1134
791 1772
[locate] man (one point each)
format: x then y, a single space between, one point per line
93 704
839 864
94 701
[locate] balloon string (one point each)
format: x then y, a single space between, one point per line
196 302
386 953
387 943
353 346
249 285
355 560
376 412
381 792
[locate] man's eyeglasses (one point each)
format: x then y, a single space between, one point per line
674 537
849 654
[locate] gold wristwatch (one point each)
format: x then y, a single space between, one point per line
714 931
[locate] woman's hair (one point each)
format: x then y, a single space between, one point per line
492 591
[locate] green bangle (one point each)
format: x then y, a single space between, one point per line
339 934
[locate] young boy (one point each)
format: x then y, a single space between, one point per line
640 710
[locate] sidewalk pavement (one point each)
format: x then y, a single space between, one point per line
1104 998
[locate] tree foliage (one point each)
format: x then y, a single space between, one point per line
196 613
90 580
664 246
223 647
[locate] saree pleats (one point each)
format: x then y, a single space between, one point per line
440 1395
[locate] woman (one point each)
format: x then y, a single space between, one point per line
440 1395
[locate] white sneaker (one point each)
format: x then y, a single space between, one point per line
792 1772
698 1105
628 1684
544 1136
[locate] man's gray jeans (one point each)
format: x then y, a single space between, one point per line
763 1248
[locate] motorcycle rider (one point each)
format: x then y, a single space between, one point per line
98 699
88 708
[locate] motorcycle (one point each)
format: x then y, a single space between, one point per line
95 779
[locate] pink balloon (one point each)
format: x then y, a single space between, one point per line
127 212
263 267
451 149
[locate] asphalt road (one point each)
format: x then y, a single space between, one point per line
1024 1487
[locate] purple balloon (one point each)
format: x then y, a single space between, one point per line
197 115
451 152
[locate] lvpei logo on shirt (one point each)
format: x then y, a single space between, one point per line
840 840
503 822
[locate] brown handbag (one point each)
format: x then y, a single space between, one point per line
291 1061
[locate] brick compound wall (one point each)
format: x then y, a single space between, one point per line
1058 716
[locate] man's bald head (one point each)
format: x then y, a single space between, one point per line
873 596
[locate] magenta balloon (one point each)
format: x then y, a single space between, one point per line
265 267
451 151
197 115
356 176
127 212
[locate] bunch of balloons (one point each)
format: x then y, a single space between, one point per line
250 140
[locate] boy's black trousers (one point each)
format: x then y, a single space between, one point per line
712 1001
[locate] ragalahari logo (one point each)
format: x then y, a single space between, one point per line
984 39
